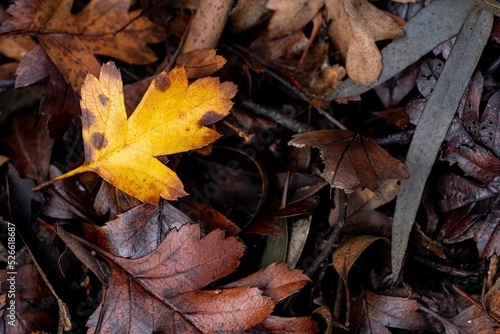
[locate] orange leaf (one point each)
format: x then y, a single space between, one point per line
104 27
352 160
171 118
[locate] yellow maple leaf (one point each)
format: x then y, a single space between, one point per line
171 117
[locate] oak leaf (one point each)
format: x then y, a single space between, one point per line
159 292
104 27
171 118
355 27
352 160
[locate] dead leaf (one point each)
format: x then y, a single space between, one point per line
29 145
276 280
352 160
139 231
172 117
59 101
159 291
104 27
26 313
348 252
299 325
302 12
354 28
373 313
200 63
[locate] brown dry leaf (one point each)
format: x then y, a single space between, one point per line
302 12
355 27
139 231
471 320
298 325
200 63
348 252
26 315
28 145
352 160
104 27
59 101
276 280
15 48
373 313
159 292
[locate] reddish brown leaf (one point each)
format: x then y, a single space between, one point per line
373 313
28 145
139 231
276 280
352 160
113 201
23 311
348 252
59 100
200 63
472 142
471 320
274 324
159 291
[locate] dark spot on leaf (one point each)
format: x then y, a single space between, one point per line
88 118
210 117
98 141
103 99
162 82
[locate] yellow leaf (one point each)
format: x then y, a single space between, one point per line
171 118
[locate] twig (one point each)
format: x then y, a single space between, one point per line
276 116
401 138
327 250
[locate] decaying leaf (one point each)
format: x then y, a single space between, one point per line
352 160
349 251
301 10
172 117
373 313
354 28
200 63
103 27
472 142
159 292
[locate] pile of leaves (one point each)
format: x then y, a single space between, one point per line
214 167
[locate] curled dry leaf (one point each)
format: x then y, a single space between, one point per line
172 117
159 292
348 252
200 63
355 27
105 27
352 160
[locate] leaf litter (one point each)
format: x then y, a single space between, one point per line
198 138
